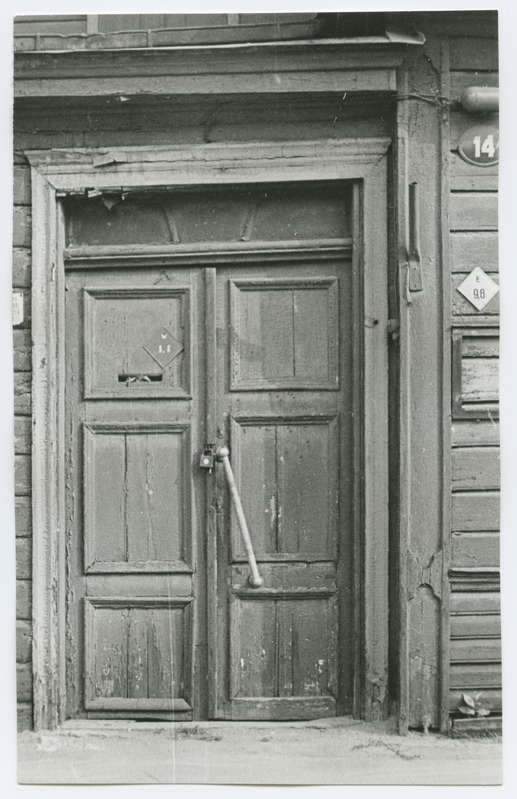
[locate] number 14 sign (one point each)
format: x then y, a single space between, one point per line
480 145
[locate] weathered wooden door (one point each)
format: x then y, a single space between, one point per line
135 416
250 344
284 405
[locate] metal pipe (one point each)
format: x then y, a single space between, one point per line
480 99
222 454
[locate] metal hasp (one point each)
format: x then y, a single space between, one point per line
414 260
222 454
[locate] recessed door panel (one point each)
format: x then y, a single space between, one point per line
136 656
287 473
137 342
284 334
137 497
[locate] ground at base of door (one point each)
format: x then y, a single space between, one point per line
333 752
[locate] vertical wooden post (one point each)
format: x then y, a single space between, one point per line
423 608
446 390
47 456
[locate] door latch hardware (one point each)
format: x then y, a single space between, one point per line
414 257
127 379
207 458
222 454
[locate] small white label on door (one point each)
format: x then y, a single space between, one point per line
478 288
17 308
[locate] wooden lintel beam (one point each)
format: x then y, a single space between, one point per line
381 80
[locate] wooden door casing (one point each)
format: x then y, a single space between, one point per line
371 193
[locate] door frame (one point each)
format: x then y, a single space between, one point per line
57 174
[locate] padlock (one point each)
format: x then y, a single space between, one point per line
207 458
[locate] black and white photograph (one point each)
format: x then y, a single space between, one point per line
255 293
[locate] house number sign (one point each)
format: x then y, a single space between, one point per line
478 288
163 347
480 145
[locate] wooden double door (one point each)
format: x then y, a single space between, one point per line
162 360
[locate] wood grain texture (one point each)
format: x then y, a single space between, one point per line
475 676
475 650
135 654
480 380
292 81
473 52
476 433
480 624
472 249
473 549
472 511
475 602
475 468
473 211
424 677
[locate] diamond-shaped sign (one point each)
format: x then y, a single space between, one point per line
163 347
478 288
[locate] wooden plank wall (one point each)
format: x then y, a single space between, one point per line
22 440
475 646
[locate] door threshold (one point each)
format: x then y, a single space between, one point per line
132 725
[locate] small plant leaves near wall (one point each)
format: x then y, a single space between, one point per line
480 145
472 705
